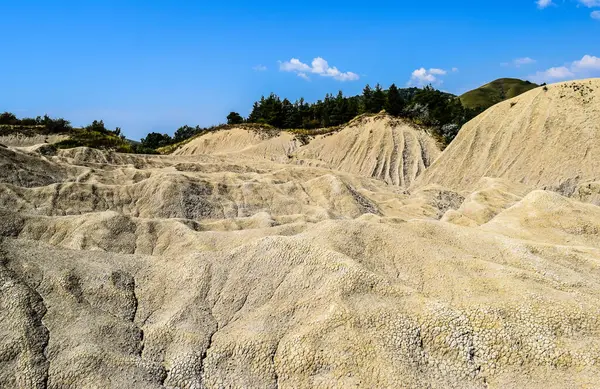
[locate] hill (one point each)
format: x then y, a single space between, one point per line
495 92
393 150
378 146
545 138
258 258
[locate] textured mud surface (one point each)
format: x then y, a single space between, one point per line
242 270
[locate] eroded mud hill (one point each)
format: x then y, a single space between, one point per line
545 138
229 269
382 147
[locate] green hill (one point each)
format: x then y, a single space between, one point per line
495 92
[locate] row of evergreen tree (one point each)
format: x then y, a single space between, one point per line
441 111
331 111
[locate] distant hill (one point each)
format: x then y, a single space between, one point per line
495 92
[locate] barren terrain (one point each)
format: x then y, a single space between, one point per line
364 258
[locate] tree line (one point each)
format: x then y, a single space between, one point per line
441 111
328 112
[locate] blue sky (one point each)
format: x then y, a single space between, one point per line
156 65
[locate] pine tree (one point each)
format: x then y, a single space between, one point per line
289 114
353 108
367 103
339 113
394 104
256 114
378 99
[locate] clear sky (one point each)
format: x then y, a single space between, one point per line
156 65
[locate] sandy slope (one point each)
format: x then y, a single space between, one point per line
228 268
250 143
543 138
21 140
380 146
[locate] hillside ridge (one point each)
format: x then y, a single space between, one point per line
495 92
545 138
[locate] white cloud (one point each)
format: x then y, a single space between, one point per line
318 66
423 76
587 66
552 75
543 3
590 3
259 68
438 72
519 62
294 65
523 61
588 62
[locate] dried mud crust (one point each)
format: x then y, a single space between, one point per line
237 269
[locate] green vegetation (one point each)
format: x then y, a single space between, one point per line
155 140
394 104
442 112
94 135
234 118
95 139
9 124
495 92
331 111
97 136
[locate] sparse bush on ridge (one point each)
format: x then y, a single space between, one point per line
94 135
45 125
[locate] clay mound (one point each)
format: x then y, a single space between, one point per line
85 156
546 138
314 193
491 196
250 143
382 147
29 170
24 140
547 216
